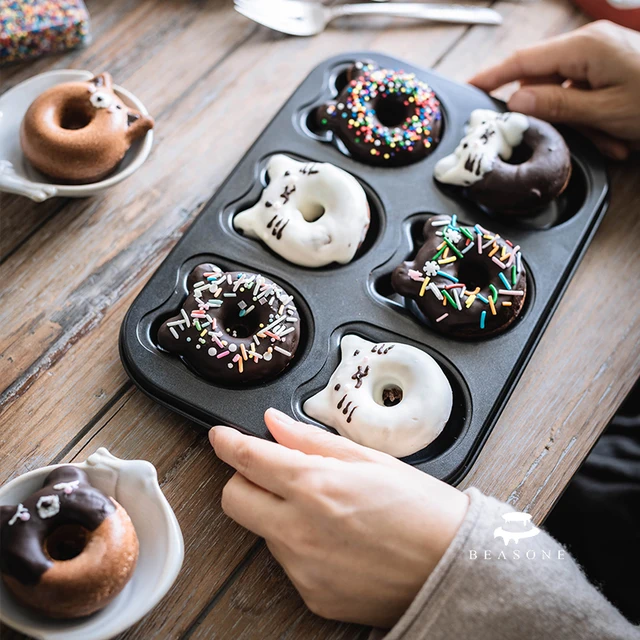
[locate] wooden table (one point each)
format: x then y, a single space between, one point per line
71 268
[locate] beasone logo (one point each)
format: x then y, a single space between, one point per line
524 519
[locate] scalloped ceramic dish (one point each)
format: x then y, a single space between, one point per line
159 562
19 177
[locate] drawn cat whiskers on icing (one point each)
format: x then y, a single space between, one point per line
311 214
489 135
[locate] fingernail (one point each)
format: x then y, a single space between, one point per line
523 101
212 436
281 417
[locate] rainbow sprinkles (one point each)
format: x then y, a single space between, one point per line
464 278
233 326
385 116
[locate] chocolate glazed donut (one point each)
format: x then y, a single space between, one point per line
78 132
384 117
68 549
234 328
508 162
468 282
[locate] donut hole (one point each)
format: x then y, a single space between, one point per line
391 395
391 111
311 211
75 115
521 154
66 542
243 327
474 274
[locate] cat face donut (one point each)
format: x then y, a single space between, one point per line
388 396
467 281
235 327
78 132
311 214
480 163
384 117
68 549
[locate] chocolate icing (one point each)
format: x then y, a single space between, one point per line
374 116
22 539
523 189
234 327
473 275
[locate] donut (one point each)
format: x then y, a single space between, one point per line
467 282
383 117
311 214
234 328
480 163
388 396
78 132
68 549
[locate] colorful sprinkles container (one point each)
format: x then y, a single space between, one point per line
31 28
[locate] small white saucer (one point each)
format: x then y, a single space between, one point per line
134 484
19 177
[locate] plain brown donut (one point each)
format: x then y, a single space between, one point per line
78 132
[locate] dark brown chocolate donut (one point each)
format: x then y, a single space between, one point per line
68 549
508 163
234 328
467 281
384 117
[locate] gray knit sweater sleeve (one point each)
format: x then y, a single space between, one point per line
526 590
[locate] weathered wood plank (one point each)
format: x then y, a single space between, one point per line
262 603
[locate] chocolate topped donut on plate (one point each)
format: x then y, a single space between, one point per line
68 549
468 282
384 117
235 327
487 166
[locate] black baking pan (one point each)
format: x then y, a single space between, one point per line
357 297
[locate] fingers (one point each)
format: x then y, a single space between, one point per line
251 506
313 440
267 464
559 56
558 104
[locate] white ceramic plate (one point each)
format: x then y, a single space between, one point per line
134 484
19 177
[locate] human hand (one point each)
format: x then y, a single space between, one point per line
589 78
357 531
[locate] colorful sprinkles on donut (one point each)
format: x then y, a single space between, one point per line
235 327
384 116
467 281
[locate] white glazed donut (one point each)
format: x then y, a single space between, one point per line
361 399
311 214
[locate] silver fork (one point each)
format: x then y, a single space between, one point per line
298 18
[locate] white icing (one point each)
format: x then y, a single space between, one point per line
399 430
101 99
22 513
297 192
67 487
48 506
489 135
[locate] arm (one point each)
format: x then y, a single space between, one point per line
366 538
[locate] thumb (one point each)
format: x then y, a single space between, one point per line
313 440
558 104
